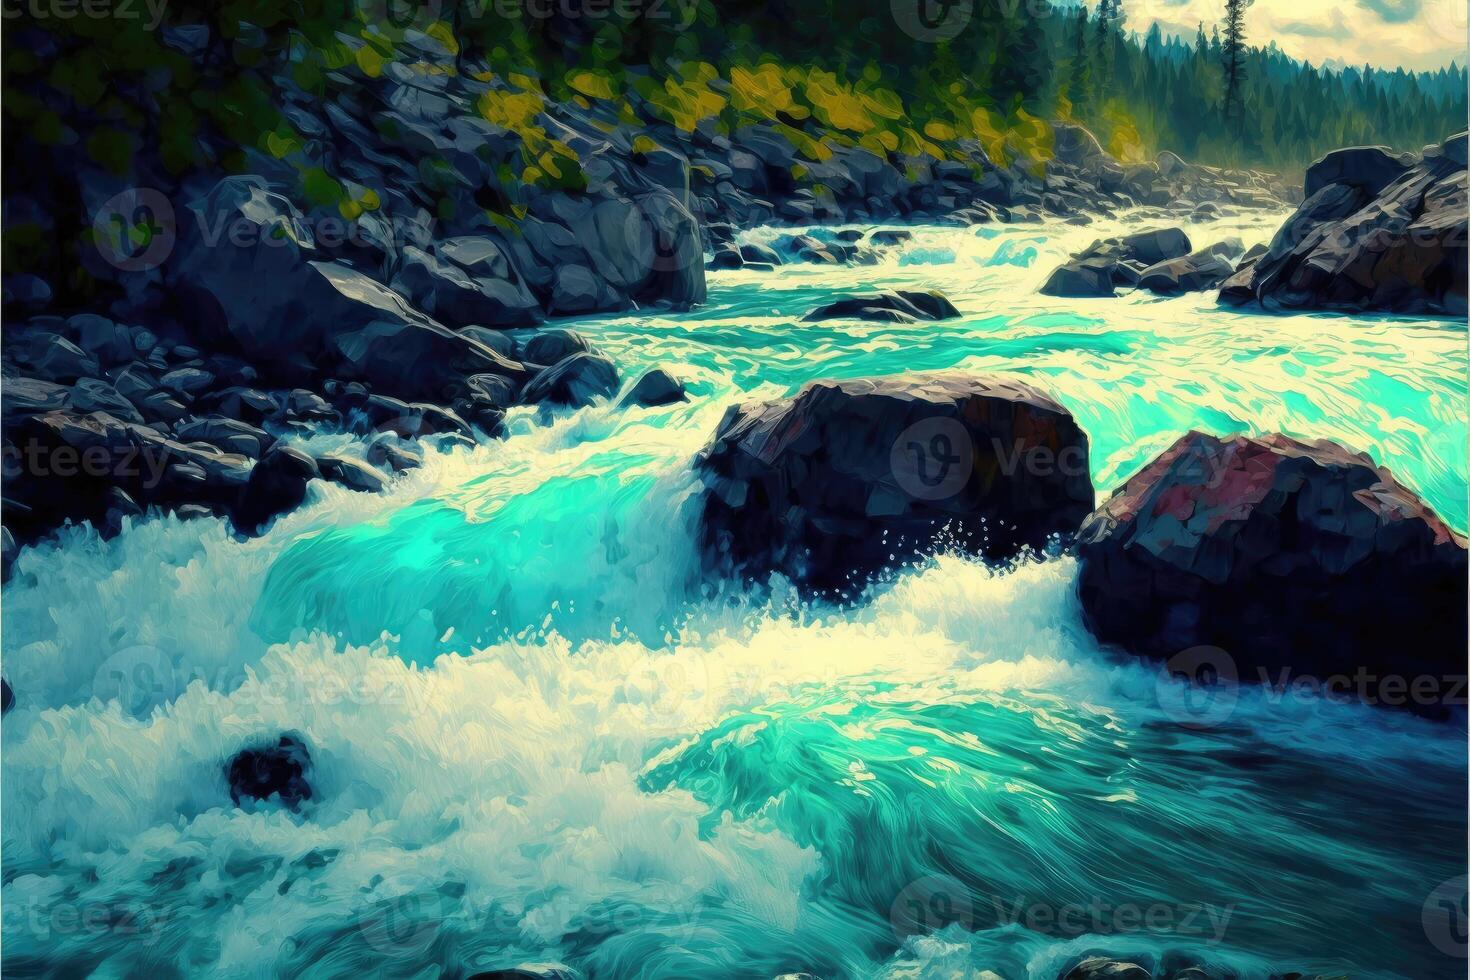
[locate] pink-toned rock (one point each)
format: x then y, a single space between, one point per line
1283 553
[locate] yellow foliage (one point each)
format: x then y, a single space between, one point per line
936 130
369 61
763 90
642 143
593 84
685 103
444 34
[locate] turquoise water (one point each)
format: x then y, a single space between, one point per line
540 734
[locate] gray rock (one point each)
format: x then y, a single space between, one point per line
229 435
1205 269
450 294
575 381
93 395
1081 277
388 449
351 473
1403 250
1106 968
54 358
657 387
1368 168
550 346
902 306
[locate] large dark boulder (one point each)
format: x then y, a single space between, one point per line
657 387
1282 553
280 770
1368 168
851 477
1375 233
376 337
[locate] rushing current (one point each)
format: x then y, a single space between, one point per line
540 734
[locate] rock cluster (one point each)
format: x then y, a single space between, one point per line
1158 260
1378 231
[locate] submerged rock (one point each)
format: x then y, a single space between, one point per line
902 306
7 696
1081 277
277 485
851 477
1283 553
278 770
657 387
1103 968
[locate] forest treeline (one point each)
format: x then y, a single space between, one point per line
899 75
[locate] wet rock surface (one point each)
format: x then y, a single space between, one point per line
1378 231
848 478
1280 552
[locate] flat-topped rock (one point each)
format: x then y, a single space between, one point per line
847 478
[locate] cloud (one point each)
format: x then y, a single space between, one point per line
1393 11
1338 30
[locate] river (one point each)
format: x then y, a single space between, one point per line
539 734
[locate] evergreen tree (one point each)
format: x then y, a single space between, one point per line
1102 56
1079 82
1233 62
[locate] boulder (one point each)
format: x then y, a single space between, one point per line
1106 968
1357 243
848 478
454 297
391 450
1205 269
278 770
550 346
1368 168
657 387
904 306
1081 277
1281 552
377 338
276 486
351 473
574 381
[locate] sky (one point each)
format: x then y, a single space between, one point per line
1414 34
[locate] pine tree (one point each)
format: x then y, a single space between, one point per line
1102 57
1233 62
1079 82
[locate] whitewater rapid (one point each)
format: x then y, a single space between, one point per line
539 734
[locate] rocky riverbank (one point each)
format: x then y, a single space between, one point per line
212 316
